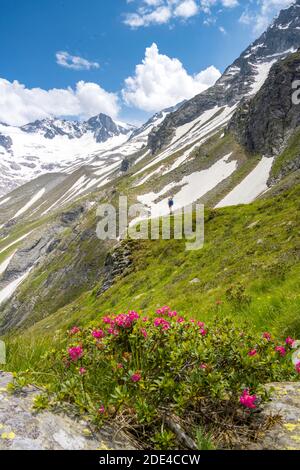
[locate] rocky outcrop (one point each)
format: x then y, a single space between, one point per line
5 142
117 263
264 124
285 406
21 428
125 165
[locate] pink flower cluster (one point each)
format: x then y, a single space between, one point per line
267 336
289 341
297 367
281 350
98 334
136 377
163 310
74 330
252 353
161 322
247 400
75 353
122 320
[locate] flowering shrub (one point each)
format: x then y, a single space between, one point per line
142 367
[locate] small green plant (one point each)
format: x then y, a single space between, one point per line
41 402
204 440
236 294
165 439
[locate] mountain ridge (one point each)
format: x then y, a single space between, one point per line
243 77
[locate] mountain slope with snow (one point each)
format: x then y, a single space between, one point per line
242 79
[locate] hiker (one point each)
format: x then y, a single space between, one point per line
170 204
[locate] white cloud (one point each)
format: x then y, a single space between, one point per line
186 9
222 30
161 81
20 105
259 20
74 62
157 12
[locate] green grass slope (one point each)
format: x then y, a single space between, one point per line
248 269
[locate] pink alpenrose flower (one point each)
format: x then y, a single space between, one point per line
74 330
289 341
136 377
98 334
144 332
252 353
75 353
267 336
281 350
297 367
247 400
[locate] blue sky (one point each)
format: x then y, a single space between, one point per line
49 46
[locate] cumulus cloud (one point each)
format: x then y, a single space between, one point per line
157 12
259 20
74 62
161 81
20 105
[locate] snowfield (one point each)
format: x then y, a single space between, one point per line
192 188
30 203
9 290
4 265
251 187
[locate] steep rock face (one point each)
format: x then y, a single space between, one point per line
103 127
117 263
5 142
243 78
263 124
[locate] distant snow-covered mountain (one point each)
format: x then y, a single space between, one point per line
62 146
52 145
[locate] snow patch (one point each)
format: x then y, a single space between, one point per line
5 201
15 241
5 263
30 203
251 187
8 291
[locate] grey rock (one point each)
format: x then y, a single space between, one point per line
264 124
285 403
21 428
6 142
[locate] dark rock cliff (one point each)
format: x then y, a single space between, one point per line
263 124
